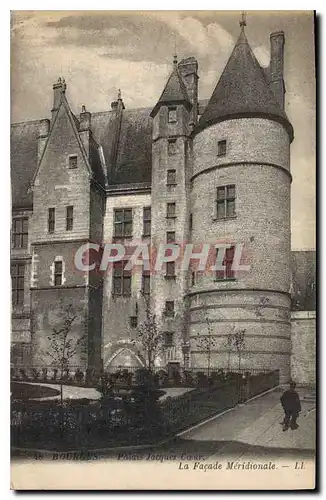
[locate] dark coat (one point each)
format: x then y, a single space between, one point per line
290 401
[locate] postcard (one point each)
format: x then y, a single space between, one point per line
163 261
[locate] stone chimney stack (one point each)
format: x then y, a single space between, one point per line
118 105
277 66
189 72
85 119
59 88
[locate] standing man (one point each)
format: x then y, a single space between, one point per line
290 402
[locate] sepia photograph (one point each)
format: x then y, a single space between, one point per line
163 250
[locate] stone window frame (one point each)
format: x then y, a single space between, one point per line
69 218
172 114
146 282
170 270
171 209
62 273
169 308
123 222
17 289
19 234
221 147
133 321
147 221
172 146
168 338
171 177
227 274
170 237
224 197
51 220
122 276
71 163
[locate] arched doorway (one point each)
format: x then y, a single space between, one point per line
124 358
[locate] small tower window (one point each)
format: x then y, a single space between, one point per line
73 161
169 308
170 210
225 201
172 115
221 148
172 146
146 282
170 236
226 273
170 270
171 177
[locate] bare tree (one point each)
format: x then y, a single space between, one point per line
149 338
207 343
238 341
229 343
62 346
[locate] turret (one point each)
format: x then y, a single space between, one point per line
171 127
240 197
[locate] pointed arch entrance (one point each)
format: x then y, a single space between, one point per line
124 357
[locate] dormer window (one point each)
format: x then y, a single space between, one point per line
221 148
72 161
172 115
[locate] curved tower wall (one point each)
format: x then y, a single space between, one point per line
257 161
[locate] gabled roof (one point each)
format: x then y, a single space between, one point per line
175 91
242 91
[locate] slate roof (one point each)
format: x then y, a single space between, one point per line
23 150
174 92
303 288
242 90
133 160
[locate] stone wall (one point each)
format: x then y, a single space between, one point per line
303 356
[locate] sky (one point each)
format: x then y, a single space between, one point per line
98 52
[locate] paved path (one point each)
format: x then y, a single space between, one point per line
254 430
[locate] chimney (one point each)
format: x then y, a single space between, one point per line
43 132
188 69
59 88
85 119
118 104
85 133
276 66
117 108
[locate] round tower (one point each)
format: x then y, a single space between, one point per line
240 194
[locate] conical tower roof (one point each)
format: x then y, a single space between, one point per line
242 91
175 91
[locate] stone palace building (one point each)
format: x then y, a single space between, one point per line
184 171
